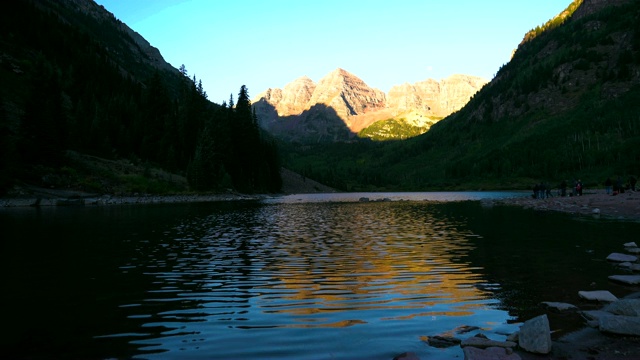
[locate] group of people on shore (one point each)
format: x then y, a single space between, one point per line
619 187
543 191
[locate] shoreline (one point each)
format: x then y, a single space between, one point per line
596 203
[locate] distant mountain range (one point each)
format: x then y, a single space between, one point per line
341 105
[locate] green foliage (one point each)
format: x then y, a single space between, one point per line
89 88
392 129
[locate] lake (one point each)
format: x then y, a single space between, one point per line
323 276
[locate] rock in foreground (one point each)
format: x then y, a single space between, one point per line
535 335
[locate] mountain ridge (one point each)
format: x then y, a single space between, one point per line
352 105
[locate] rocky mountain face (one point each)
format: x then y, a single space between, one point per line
341 104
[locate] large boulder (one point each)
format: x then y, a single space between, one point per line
535 335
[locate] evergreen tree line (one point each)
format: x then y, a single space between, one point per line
70 94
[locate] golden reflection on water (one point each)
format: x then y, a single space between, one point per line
342 258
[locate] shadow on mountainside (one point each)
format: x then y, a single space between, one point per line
320 123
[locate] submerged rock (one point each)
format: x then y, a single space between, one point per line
535 335
465 329
407 356
597 295
443 341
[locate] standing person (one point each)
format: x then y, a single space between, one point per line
563 188
619 187
579 187
607 185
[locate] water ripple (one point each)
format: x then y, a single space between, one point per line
308 266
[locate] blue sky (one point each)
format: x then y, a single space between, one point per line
268 43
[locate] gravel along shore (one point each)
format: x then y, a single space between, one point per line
596 203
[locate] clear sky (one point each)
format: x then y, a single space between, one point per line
268 43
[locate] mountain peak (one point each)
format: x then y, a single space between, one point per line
350 101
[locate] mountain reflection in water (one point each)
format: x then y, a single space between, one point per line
284 279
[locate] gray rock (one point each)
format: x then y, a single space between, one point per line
597 295
535 335
593 323
595 315
558 306
630 244
617 257
492 353
626 307
483 342
633 250
625 265
626 279
621 325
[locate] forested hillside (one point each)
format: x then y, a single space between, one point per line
566 106
75 78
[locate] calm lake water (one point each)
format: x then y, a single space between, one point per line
295 277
